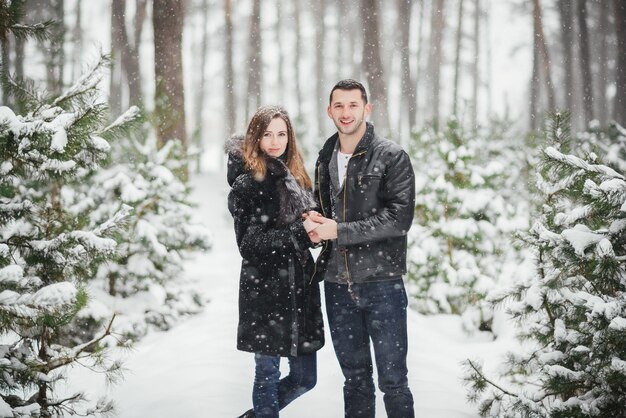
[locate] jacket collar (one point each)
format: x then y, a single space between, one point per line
364 144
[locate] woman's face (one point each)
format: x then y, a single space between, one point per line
275 138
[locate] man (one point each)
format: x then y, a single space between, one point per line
365 188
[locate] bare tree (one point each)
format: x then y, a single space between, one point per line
585 62
127 49
169 102
229 77
319 9
255 64
407 86
457 59
77 39
348 36
55 67
567 40
298 47
535 84
489 62
5 62
198 136
540 54
344 38
604 28
475 62
420 42
278 29
437 25
115 76
619 107
372 65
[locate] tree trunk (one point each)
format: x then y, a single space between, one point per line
280 19
77 38
5 63
407 85
229 77
19 59
255 64
372 65
543 51
344 41
489 73
567 40
115 80
320 79
56 57
128 53
457 60
169 100
298 47
475 72
585 62
534 87
603 57
420 48
200 92
134 68
435 57
619 106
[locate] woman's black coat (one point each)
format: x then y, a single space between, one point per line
279 304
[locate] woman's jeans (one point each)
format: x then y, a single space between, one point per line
270 393
376 311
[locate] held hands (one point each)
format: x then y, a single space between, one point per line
318 227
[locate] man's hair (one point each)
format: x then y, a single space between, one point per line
349 84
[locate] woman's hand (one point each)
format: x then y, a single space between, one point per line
326 228
310 225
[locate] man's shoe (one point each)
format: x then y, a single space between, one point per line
248 414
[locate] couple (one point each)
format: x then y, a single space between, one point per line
360 213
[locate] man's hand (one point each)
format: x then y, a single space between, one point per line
310 226
327 228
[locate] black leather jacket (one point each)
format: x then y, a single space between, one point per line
374 210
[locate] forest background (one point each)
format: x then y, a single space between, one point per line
509 109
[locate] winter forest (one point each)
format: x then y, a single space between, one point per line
118 263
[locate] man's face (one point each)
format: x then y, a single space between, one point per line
348 111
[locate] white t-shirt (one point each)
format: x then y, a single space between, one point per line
342 165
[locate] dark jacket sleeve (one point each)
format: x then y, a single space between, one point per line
398 193
254 238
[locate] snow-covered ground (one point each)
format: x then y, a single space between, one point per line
194 370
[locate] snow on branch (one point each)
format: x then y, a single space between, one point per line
85 83
582 164
129 116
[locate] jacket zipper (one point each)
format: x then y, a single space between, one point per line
345 250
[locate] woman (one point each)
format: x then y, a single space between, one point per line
279 305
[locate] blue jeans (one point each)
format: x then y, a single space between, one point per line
377 312
270 393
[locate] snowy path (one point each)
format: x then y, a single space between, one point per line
194 370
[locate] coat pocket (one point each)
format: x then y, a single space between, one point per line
368 180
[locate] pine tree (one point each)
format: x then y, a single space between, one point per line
48 250
11 13
152 247
460 237
572 313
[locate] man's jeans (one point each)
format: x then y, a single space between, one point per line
270 393
377 311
